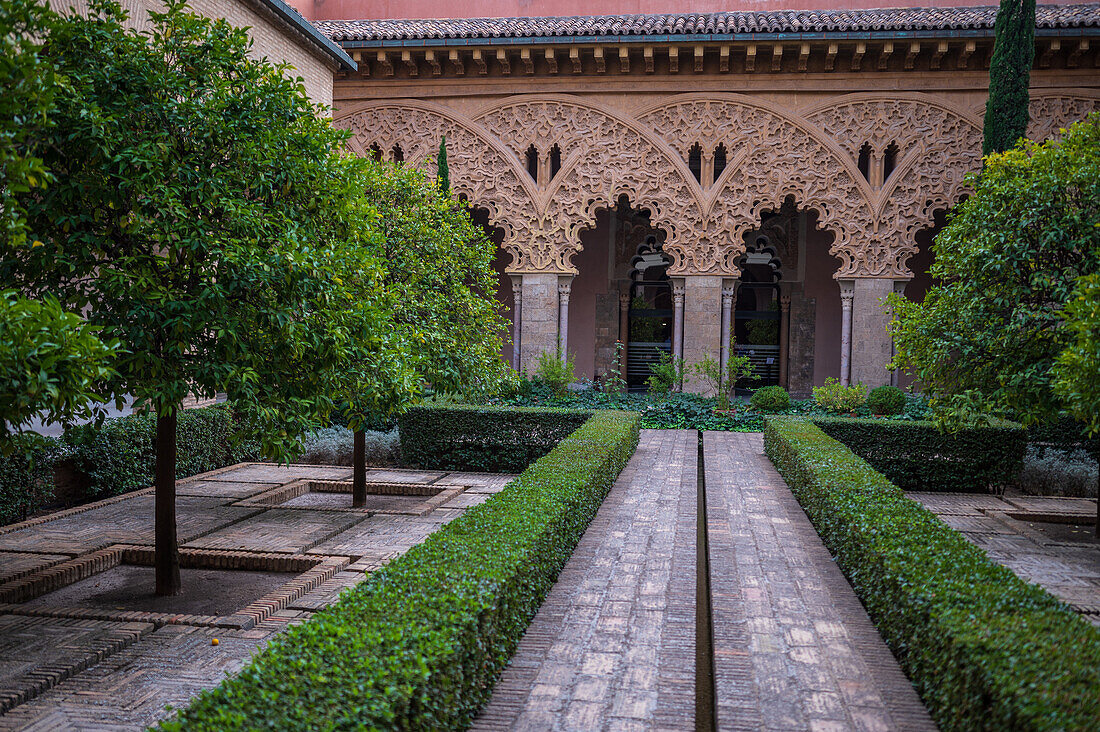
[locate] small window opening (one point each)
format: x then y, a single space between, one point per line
376 152
865 160
890 160
398 154
695 161
719 160
533 162
555 160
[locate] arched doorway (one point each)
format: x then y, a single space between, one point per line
756 322
616 295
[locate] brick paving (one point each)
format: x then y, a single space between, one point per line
85 668
1007 528
793 647
613 645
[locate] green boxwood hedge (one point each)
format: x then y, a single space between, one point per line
916 456
985 650
483 439
419 644
26 476
119 455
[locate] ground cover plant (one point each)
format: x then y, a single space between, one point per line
678 410
419 643
985 649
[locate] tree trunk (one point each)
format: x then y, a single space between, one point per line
359 471
167 556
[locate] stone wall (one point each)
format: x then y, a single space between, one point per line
272 38
871 345
800 358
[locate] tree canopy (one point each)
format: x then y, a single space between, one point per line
1010 315
1006 110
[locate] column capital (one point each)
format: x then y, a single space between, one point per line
784 303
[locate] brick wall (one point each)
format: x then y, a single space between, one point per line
271 37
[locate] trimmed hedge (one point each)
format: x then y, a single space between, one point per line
985 650
119 456
483 439
26 476
114 458
419 643
916 456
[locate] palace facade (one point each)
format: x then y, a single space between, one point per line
707 183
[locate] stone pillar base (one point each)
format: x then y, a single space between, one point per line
872 347
538 319
702 325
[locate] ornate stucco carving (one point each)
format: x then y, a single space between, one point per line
772 153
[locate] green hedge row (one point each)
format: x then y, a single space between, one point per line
419 644
483 439
116 457
985 650
916 456
26 476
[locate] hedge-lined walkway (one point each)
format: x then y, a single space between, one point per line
794 649
613 645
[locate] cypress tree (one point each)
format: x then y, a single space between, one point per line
1006 114
443 174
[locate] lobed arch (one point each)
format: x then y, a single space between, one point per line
774 154
485 173
607 156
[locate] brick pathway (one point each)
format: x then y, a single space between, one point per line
794 649
613 645
74 668
1016 531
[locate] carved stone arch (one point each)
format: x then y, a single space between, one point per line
1052 111
481 170
607 157
939 146
774 154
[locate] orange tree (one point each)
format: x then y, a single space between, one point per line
198 217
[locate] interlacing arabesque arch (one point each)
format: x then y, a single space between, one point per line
772 154
604 157
483 171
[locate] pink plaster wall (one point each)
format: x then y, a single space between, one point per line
820 285
592 279
358 9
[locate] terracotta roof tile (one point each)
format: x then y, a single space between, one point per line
795 21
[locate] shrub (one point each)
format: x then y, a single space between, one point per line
26 476
118 456
836 397
1056 473
886 400
335 446
770 399
918 457
555 371
666 375
483 439
420 642
985 650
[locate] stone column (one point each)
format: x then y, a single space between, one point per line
624 329
846 295
702 322
784 336
539 321
564 285
729 290
677 318
870 334
517 317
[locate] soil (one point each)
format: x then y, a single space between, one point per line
343 500
130 587
1076 533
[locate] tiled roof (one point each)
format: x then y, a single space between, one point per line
794 21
